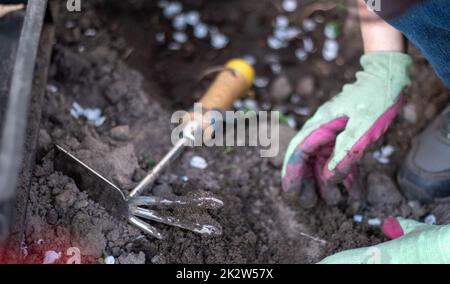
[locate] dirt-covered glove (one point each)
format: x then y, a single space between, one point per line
414 243
328 146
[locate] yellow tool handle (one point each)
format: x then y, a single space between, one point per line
229 85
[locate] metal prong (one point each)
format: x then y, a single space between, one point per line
146 227
203 229
204 202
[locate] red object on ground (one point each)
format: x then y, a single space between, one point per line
392 228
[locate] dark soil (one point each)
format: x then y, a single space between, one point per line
138 83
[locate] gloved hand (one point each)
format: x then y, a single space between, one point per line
334 139
414 243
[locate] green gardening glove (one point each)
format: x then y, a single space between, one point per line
328 146
416 243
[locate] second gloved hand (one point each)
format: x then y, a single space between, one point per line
413 243
328 146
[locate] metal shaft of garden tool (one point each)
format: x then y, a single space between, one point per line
161 166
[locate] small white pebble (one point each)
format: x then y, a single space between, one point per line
303 111
51 257
251 104
250 59
319 19
276 68
179 23
281 21
430 220
238 104
99 121
70 25
275 43
330 31
261 82
90 33
172 9
384 161
387 150
200 31
160 37
174 46
92 113
219 41
295 99
193 18
309 25
110 260
330 49
81 48
162 3
301 54
52 89
358 218
374 222
180 37
308 44
198 163
293 32
289 5
291 122
184 178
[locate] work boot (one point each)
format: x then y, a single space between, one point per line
425 175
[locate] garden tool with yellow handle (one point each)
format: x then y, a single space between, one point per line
231 83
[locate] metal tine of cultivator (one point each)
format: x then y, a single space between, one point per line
146 227
203 229
203 202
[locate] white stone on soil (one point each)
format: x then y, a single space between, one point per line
301 54
382 155
330 49
193 18
219 40
180 37
374 222
51 257
261 82
198 163
171 9
330 30
430 219
201 31
110 260
281 21
357 218
90 33
309 25
275 43
289 5
92 115
250 59
179 23
308 44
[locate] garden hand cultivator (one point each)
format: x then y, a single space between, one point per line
230 84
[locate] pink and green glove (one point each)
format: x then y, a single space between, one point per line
328 146
413 243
